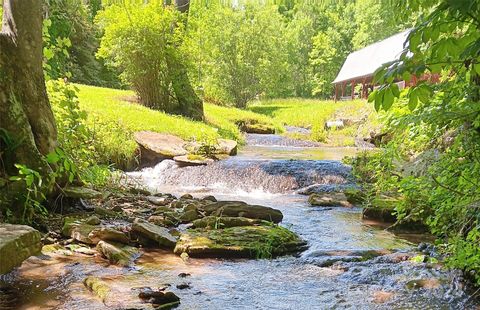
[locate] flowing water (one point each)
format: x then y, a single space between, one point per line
268 171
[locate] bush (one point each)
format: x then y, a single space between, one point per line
139 39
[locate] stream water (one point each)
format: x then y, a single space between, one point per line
268 171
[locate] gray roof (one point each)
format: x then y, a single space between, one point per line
364 62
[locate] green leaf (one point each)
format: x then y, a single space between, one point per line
48 53
412 101
406 76
378 101
52 158
29 180
476 68
372 95
388 99
395 90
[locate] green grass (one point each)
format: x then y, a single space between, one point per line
226 118
111 105
312 114
115 116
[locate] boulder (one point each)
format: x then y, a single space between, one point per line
163 211
93 220
78 192
215 222
192 160
239 242
17 243
242 209
108 234
116 253
226 146
329 200
382 208
161 220
186 197
74 228
161 300
159 235
155 147
188 216
209 198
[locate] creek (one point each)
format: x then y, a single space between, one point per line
268 171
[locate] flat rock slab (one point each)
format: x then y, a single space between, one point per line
155 147
239 242
17 243
189 160
81 192
215 222
159 235
329 200
242 209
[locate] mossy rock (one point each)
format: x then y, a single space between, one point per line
17 243
329 200
253 126
216 222
116 253
242 209
76 229
192 160
81 192
98 287
239 242
108 234
382 208
158 236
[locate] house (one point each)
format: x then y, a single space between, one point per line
360 66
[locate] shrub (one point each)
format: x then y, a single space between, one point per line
139 39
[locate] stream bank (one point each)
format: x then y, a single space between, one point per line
349 263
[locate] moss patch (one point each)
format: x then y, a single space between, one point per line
98 287
242 241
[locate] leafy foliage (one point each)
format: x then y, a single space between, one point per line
437 125
139 40
71 41
238 54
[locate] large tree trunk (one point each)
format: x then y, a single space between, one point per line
26 117
190 104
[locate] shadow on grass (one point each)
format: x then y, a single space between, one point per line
266 110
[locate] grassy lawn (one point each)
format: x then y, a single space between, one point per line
115 116
312 114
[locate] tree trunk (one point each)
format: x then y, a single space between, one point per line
190 105
27 124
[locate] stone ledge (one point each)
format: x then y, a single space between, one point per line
17 243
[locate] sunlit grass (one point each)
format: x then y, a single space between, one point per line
115 116
312 114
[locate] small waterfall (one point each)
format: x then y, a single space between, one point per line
277 141
234 175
